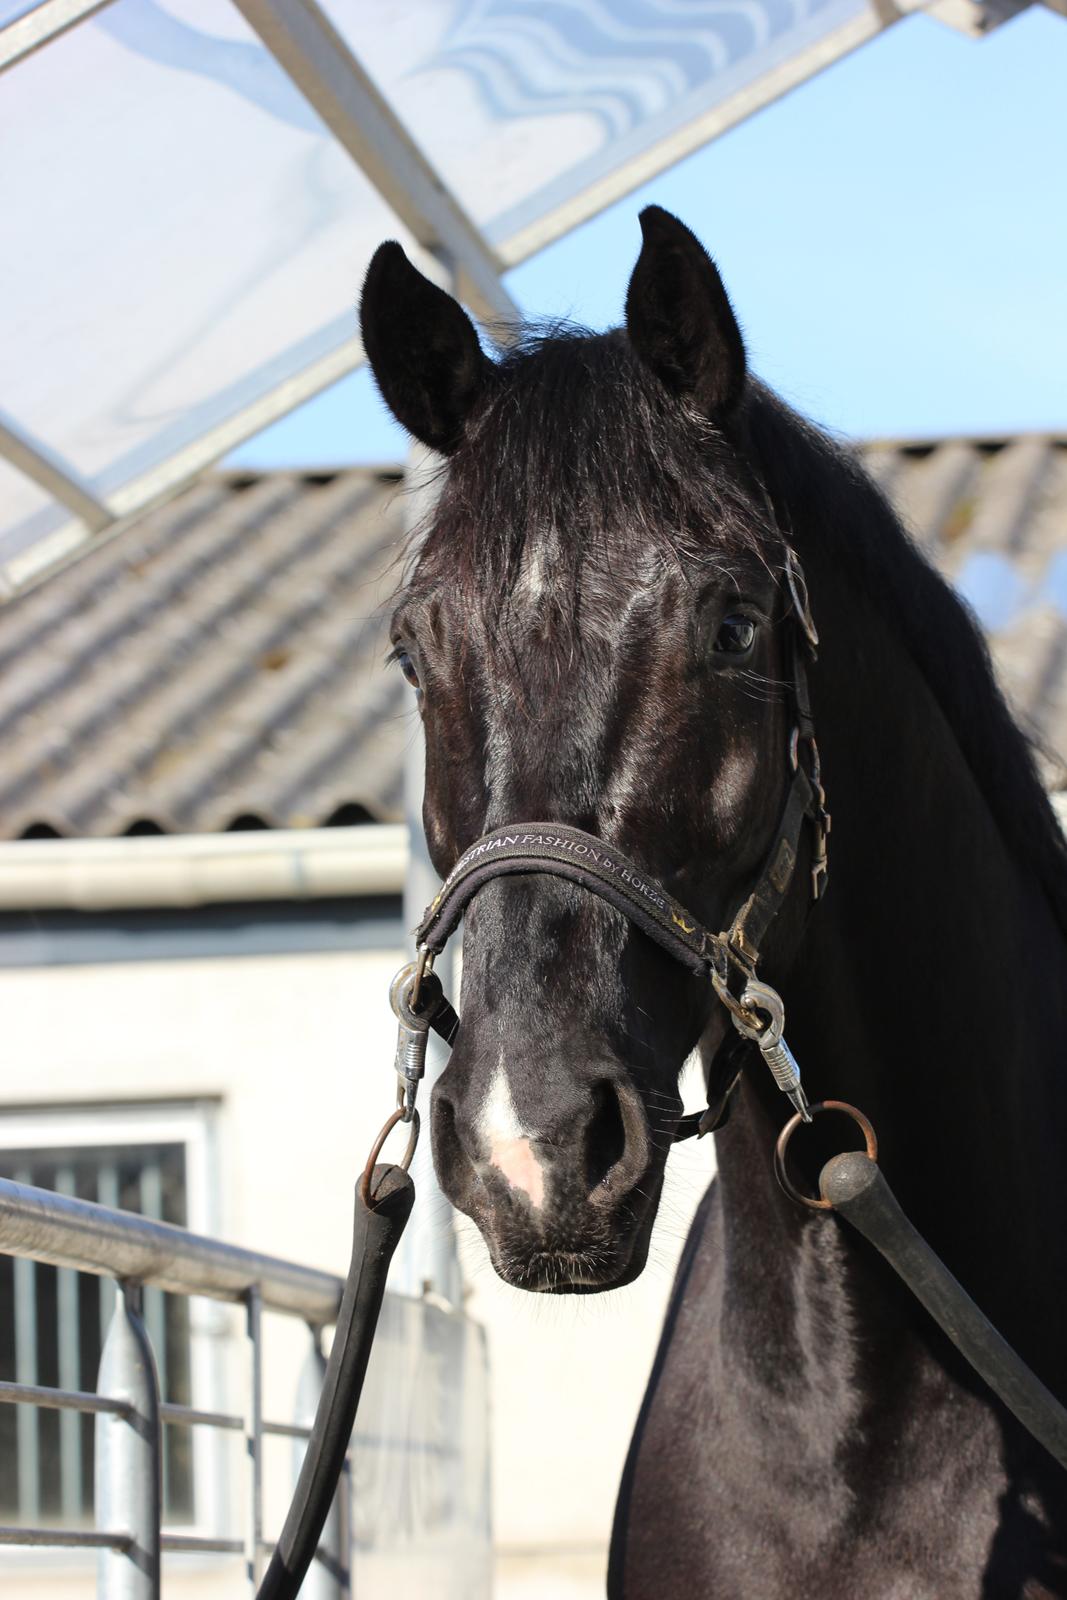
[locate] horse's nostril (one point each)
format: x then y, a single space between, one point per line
455 1170
605 1136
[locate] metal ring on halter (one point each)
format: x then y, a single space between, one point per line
424 959
791 1127
376 1149
743 1019
761 1014
404 991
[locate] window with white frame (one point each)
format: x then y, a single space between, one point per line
151 1159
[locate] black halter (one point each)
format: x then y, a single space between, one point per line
730 958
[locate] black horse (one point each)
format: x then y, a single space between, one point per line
595 622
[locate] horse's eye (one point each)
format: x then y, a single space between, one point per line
736 635
407 667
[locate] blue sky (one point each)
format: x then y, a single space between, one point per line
893 235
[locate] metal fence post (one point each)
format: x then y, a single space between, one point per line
254 1437
128 1485
329 1575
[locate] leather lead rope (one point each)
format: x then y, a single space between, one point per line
383 1205
854 1186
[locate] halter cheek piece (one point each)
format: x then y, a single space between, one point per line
729 958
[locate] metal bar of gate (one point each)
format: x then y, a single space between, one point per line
27 1422
70 1428
128 1490
57 1229
254 1438
65 1232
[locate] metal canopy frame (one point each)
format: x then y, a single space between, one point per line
314 56
319 62
43 23
307 47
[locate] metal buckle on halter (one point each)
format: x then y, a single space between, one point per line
741 948
720 982
820 860
820 818
798 593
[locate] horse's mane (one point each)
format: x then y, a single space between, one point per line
579 441
827 489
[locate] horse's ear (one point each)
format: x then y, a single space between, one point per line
679 318
422 349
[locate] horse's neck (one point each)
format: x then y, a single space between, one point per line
931 991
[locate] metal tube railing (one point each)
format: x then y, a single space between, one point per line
128 1476
65 1232
39 1225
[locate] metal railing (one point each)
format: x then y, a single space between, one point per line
130 1415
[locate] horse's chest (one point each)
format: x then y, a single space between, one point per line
784 1492
713 1515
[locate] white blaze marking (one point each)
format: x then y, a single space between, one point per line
533 576
507 1141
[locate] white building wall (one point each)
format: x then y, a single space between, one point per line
296 1050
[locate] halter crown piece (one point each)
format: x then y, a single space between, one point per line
729 958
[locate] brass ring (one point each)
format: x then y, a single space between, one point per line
376 1150
791 1127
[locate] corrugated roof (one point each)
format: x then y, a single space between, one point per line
992 513
218 665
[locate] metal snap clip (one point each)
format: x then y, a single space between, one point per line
414 983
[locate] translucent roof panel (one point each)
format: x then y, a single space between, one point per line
179 232
28 512
194 187
528 104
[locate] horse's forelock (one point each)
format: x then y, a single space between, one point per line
579 463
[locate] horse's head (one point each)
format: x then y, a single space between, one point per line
589 627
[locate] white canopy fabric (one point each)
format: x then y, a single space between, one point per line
190 191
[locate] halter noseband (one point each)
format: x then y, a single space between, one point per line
730 958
